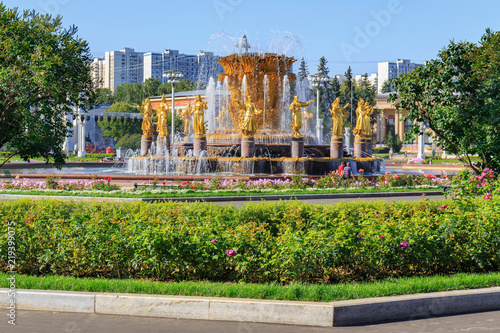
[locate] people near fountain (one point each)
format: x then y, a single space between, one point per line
186 115
347 172
249 124
161 117
147 114
198 118
340 169
363 113
338 115
295 108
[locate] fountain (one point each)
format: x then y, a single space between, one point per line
247 127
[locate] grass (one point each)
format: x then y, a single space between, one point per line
192 193
273 291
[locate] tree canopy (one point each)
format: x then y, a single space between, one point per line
45 72
458 96
116 128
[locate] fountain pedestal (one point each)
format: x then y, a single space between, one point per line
200 144
247 146
162 145
297 148
145 144
336 148
362 147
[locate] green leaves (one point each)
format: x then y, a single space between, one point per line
458 95
44 74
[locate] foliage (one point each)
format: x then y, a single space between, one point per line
116 128
485 184
101 155
104 96
366 90
393 141
303 70
457 95
386 87
348 94
183 85
381 150
273 242
132 141
44 72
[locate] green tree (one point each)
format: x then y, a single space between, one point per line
366 90
348 95
150 88
386 87
393 141
458 96
116 128
129 93
45 72
132 141
183 85
303 70
104 96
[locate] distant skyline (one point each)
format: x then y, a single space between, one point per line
358 33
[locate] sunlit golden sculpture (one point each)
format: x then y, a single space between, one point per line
161 117
198 117
249 124
307 119
147 113
338 115
295 107
363 113
252 68
186 114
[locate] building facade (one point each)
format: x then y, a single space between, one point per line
120 67
195 68
389 70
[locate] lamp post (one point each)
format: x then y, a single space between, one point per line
173 77
317 81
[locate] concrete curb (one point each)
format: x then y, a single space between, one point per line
342 313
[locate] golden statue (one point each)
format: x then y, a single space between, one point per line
186 114
198 119
338 115
162 116
220 117
307 118
363 112
295 107
249 126
147 113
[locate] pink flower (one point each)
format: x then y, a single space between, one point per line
381 236
403 245
214 240
361 238
361 170
443 207
487 196
231 253
376 215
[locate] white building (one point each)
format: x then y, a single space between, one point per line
98 69
373 78
124 66
198 67
389 70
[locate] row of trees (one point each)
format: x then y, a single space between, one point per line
349 91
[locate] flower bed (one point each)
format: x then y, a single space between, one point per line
285 241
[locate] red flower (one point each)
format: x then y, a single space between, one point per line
163 183
383 178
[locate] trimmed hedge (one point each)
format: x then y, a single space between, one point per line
279 241
381 150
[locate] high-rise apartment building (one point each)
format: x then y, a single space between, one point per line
389 70
98 69
198 67
124 66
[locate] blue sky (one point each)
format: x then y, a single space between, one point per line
358 33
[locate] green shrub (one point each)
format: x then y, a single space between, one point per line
100 155
279 241
381 150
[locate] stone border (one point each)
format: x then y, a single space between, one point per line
341 313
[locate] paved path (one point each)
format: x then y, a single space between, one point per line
42 321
